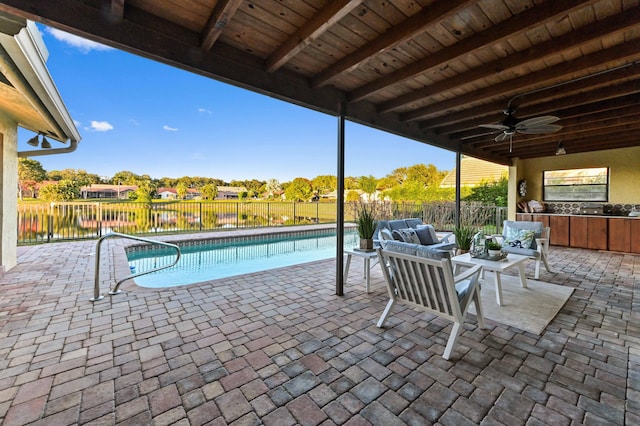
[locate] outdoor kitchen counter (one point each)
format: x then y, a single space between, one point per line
598 232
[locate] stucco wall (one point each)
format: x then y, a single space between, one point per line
624 172
8 193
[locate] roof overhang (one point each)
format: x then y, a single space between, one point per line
27 92
438 72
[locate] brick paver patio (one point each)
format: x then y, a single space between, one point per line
279 348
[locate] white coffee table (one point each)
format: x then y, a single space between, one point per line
367 256
499 266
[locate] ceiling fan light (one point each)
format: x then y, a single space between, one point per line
560 150
33 141
45 143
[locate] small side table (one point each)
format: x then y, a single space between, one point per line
367 256
513 260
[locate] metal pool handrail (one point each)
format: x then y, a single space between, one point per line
116 289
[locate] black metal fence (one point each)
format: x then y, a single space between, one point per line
48 222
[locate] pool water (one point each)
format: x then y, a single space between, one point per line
208 260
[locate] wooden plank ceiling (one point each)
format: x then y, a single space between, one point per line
430 70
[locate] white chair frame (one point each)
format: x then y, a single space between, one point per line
429 285
542 250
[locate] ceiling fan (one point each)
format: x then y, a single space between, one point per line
531 126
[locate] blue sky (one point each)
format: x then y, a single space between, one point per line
149 118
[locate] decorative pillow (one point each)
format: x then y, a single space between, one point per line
427 235
518 238
409 236
397 235
385 235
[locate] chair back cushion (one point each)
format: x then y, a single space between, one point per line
397 224
413 222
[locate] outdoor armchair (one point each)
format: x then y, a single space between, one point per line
422 278
528 239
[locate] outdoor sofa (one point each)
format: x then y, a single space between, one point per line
412 230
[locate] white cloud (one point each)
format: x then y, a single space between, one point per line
169 129
84 45
101 126
204 111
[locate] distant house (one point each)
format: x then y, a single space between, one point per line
230 192
99 190
167 193
172 194
32 188
473 172
333 195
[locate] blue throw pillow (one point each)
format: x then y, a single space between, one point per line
425 236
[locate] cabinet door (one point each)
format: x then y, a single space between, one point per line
620 235
544 218
634 224
559 230
597 233
578 232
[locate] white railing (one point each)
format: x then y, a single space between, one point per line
116 289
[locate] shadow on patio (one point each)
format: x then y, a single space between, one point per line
279 348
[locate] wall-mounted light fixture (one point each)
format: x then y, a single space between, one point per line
35 142
560 149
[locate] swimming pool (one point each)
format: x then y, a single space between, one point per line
213 259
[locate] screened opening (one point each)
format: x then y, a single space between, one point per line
590 184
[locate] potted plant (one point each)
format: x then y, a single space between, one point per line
366 225
494 247
464 235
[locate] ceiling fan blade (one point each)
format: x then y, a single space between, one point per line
501 137
477 136
537 121
540 130
494 126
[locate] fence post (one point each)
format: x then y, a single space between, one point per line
200 215
99 218
294 212
50 223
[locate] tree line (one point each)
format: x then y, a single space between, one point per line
416 183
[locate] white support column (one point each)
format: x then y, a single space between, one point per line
8 193
512 192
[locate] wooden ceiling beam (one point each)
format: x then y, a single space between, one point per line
594 128
521 144
116 10
332 13
417 23
550 76
584 119
577 147
572 40
490 113
222 14
515 25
